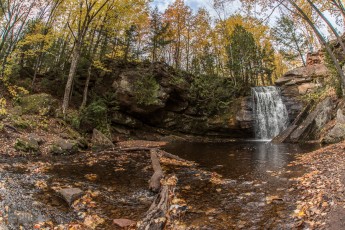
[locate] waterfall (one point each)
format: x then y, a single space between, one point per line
270 113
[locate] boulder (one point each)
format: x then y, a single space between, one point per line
41 104
100 141
70 194
324 116
28 145
337 133
36 138
64 147
309 126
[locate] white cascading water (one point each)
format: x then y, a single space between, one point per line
270 113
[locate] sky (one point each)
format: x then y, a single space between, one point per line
194 4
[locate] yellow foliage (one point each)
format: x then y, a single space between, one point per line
99 65
3 106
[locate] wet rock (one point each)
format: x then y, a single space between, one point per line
42 104
64 147
100 141
23 218
70 194
124 223
27 145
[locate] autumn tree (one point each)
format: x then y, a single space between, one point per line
87 12
291 41
178 15
159 34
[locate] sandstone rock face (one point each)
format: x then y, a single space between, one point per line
310 123
299 82
314 121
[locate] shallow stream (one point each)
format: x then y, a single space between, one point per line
235 185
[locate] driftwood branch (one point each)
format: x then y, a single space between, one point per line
157 216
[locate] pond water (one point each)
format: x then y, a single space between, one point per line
255 191
242 158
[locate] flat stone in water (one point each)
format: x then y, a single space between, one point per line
123 223
70 194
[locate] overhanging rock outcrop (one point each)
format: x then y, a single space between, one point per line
171 106
299 82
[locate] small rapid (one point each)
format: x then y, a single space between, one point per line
270 113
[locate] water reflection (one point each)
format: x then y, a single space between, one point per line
237 159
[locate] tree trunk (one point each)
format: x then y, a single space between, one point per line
71 74
86 87
339 39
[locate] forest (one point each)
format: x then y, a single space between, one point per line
173 114
65 38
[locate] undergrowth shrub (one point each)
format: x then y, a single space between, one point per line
98 113
146 90
211 94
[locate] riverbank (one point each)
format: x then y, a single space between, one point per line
320 201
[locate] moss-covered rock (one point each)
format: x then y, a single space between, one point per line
28 145
41 104
64 147
100 141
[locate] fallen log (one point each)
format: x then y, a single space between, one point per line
136 149
157 216
155 181
169 155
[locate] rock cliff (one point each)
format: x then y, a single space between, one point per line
299 82
169 105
